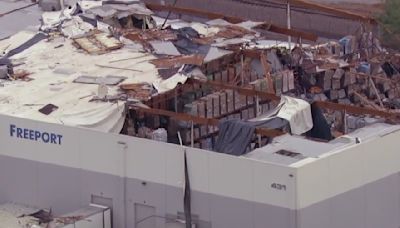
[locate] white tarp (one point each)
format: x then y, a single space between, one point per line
215 53
87 5
166 85
203 29
296 111
75 27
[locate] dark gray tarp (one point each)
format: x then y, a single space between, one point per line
5 61
321 128
167 73
34 40
389 69
235 135
274 123
5 67
186 46
89 18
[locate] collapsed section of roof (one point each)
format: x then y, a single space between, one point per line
65 73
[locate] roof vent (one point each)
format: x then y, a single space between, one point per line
290 154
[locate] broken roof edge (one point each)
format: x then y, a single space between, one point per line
268 26
392 129
332 10
337 146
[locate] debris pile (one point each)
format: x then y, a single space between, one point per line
20 216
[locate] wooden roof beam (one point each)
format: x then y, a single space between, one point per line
203 121
351 109
357 110
241 90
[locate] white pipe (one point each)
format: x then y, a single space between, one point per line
258 108
242 69
289 23
192 134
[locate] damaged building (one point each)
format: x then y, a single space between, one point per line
177 117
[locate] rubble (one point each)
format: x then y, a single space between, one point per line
98 43
174 62
50 5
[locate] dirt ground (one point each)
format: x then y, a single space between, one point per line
367 7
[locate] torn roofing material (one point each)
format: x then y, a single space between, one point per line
43 61
109 9
164 48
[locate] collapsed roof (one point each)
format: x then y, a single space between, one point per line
46 63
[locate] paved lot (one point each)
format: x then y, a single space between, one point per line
19 20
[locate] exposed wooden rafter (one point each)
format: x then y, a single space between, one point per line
351 109
204 121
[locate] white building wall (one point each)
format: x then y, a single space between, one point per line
228 191
153 161
358 187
